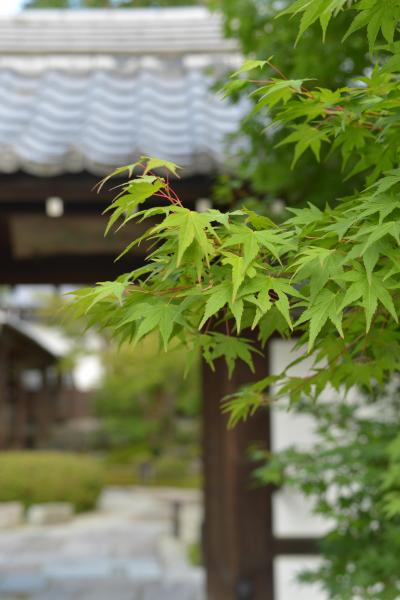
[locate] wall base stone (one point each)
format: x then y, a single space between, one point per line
52 513
11 514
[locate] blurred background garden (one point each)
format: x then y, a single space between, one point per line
133 412
118 475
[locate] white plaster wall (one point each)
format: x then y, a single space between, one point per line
287 588
292 514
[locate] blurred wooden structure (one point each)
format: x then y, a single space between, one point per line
29 387
35 397
71 249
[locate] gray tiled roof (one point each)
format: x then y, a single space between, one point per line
130 31
94 89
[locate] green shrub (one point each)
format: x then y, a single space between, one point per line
128 455
121 475
194 555
352 475
36 477
170 471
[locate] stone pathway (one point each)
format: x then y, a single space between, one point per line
123 551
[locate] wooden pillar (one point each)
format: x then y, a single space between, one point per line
20 416
3 393
238 542
59 399
43 411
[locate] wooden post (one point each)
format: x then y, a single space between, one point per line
20 416
43 411
238 541
3 393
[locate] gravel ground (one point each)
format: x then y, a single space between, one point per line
123 551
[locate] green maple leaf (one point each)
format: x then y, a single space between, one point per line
325 306
219 297
186 235
238 271
368 291
161 317
248 240
251 65
107 289
134 193
237 310
304 137
158 163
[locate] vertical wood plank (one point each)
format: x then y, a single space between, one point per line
43 417
238 543
20 417
3 392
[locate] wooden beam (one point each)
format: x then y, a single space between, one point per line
21 188
65 269
3 392
5 240
43 411
19 435
238 543
24 193
296 546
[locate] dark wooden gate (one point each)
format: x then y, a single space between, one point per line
239 545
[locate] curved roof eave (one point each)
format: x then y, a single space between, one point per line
94 89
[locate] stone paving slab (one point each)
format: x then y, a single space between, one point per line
22 584
113 589
110 555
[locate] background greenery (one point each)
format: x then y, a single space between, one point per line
148 404
43 476
352 475
144 394
107 3
149 408
264 173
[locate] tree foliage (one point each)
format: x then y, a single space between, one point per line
330 274
263 171
351 473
